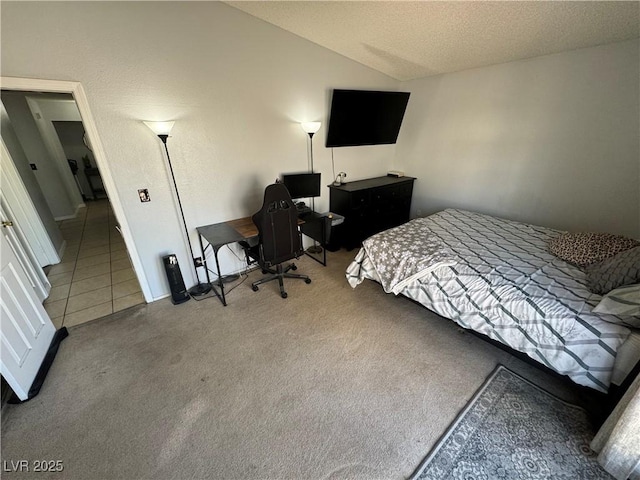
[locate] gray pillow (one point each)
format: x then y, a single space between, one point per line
624 302
617 271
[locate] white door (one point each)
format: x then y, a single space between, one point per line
25 255
25 328
15 194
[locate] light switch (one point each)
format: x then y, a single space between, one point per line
144 195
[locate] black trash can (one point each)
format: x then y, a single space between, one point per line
333 227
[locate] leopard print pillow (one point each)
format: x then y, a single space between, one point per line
585 248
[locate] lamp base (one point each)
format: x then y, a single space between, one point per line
200 289
230 278
315 249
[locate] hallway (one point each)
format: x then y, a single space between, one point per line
95 277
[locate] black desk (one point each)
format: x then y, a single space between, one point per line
217 235
317 227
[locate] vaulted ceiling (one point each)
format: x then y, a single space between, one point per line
408 39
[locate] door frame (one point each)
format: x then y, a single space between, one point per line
76 89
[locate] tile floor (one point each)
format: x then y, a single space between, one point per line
95 277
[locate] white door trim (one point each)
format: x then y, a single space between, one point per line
76 89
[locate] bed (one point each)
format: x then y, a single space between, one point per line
498 277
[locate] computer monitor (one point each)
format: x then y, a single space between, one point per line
302 185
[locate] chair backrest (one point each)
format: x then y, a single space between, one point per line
277 223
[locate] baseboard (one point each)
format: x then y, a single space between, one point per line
70 217
161 297
225 279
65 217
62 249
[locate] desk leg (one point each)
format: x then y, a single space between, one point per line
322 243
314 257
220 283
204 259
206 269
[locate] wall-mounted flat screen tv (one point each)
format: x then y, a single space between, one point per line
365 117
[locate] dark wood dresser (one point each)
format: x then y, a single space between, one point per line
370 206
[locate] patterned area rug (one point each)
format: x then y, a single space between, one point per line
514 429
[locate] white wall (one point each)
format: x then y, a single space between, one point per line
553 140
29 180
46 108
236 86
56 108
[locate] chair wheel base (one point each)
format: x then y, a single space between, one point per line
279 273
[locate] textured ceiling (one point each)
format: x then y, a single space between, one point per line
408 40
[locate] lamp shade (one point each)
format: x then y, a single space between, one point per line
160 128
311 127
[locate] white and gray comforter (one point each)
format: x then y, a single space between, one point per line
497 277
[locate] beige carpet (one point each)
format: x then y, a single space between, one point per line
330 383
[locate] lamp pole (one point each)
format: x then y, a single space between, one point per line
162 130
313 199
311 128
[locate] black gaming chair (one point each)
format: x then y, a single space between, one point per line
279 239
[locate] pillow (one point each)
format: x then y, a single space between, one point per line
617 271
584 248
623 301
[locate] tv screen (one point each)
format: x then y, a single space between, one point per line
364 117
302 185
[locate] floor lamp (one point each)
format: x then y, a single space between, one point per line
162 130
311 128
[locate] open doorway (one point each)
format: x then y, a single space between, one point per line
93 274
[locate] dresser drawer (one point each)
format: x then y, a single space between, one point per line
389 196
360 199
370 206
